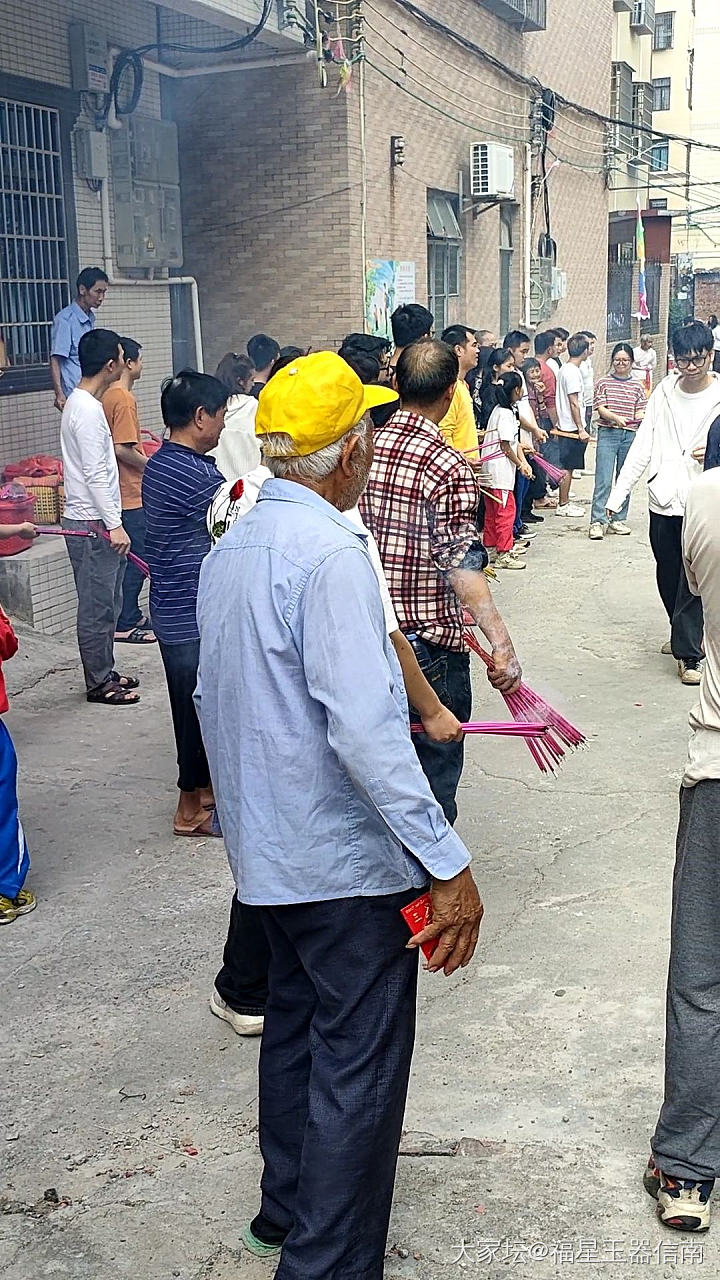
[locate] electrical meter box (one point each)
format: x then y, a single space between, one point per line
146 191
91 154
88 58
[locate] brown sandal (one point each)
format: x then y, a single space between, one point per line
113 694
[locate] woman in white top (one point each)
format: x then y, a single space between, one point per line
715 326
502 438
237 451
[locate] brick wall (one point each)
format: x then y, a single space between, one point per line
270 225
707 294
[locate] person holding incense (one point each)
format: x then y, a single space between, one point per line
421 505
179 483
93 507
329 823
503 437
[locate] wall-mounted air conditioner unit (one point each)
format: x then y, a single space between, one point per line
492 171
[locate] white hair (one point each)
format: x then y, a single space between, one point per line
279 457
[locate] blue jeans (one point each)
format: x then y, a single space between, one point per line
442 762
134 526
613 446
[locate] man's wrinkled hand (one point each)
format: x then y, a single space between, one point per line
457 914
59 401
506 673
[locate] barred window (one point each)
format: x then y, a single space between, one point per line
34 271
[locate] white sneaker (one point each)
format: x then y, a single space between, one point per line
667 648
508 560
243 1024
597 531
570 510
619 526
690 672
578 475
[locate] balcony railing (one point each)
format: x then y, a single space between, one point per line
528 15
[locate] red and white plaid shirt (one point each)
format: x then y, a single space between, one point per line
421 505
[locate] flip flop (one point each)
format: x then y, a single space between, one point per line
138 635
209 826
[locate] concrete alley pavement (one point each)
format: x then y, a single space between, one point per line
538 1072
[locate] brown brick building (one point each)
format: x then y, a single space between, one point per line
273 178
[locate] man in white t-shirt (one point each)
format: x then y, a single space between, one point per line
685 1156
93 505
645 362
671 441
570 406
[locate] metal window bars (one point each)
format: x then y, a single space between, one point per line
34 282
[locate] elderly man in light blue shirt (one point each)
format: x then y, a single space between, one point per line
329 822
69 326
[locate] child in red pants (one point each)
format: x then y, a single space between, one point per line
503 437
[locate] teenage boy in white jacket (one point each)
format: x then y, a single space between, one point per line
671 441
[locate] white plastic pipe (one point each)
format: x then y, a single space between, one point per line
219 68
123 281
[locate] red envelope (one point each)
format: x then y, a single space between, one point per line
417 916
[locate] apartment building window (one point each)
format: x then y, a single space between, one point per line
622 104
661 94
660 157
444 241
37 244
642 121
664 30
642 16
528 15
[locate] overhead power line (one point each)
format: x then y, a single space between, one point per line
533 82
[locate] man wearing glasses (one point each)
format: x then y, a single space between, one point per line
671 442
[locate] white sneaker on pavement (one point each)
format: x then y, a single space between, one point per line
597 531
570 509
619 526
243 1024
690 671
667 648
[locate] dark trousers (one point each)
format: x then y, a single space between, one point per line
334 1067
130 614
522 484
97 570
243 980
537 488
442 762
683 608
686 1143
181 665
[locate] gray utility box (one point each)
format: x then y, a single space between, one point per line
146 192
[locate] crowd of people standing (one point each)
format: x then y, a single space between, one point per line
319 529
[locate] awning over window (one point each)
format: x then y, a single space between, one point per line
441 219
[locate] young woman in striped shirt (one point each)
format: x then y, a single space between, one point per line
620 401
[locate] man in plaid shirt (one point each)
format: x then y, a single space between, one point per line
421 505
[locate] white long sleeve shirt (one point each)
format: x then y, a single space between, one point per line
90 469
675 424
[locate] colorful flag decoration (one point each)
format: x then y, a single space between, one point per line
643 312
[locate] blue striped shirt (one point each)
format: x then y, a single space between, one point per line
177 489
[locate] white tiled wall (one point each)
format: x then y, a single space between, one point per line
35 45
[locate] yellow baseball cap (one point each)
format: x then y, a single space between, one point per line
315 400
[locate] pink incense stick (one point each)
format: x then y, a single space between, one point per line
525 707
499 728
90 533
555 473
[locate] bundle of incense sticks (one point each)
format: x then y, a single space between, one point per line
555 473
526 706
499 728
89 533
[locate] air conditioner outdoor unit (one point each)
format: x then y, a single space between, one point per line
492 171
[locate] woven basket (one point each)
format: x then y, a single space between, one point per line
46 502
60 491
